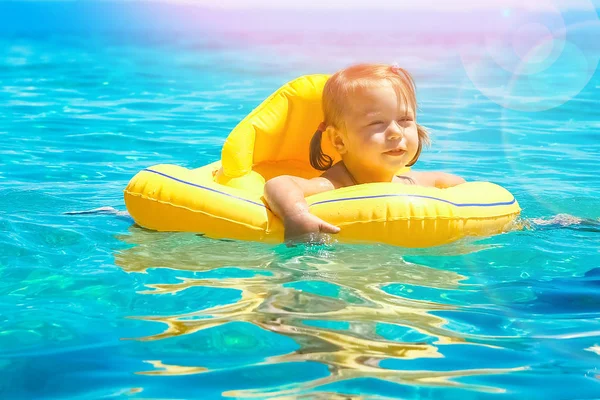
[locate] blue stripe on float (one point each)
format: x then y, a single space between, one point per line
205 188
505 203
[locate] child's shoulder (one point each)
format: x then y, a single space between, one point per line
435 179
422 178
338 176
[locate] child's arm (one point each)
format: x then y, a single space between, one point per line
285 196
437 179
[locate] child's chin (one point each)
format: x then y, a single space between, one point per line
396 162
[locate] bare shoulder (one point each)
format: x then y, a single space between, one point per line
314 185
435 179
287 183
338 176
422 178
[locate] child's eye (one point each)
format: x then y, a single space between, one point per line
406 119
374 123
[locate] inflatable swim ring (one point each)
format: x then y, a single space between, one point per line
224 199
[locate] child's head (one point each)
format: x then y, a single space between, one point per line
370 116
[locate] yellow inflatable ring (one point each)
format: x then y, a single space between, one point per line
224 199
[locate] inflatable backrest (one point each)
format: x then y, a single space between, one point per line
275 137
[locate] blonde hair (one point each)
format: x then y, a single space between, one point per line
343 84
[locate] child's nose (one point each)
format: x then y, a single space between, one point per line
395 131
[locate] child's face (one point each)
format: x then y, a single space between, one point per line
381 130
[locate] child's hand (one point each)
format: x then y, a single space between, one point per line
304 223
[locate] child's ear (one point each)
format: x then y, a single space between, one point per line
337 139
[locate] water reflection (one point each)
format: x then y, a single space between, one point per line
331 300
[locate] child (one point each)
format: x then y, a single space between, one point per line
370 118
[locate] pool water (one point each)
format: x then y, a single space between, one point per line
93 306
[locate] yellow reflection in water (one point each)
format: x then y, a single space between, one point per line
358 274
166 370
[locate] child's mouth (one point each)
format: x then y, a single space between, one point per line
395 152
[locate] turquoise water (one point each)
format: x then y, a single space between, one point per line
92 306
